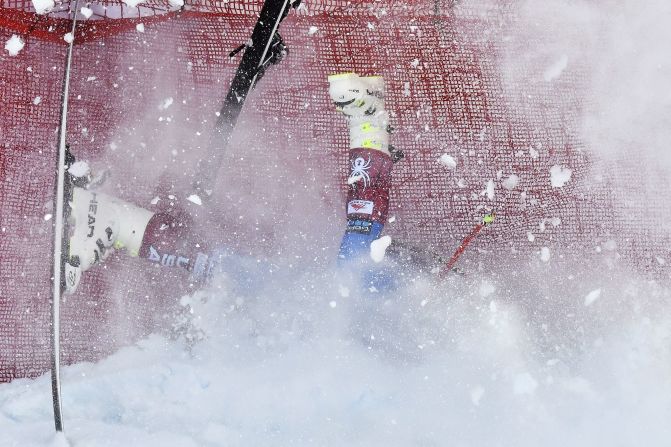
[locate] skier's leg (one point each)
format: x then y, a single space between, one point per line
103 223
361 100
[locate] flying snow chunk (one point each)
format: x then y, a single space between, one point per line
132 3
545 254
43 6
343 291
378 248
167 102
79 169
559 176
448 160
194 198
555 70
476 395
592 296
140 27
486 288
86 12
69 38
312 30
511 182
37 100
525 384
489 189
14 45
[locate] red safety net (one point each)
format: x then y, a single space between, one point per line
144 100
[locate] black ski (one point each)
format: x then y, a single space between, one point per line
61 249
265 48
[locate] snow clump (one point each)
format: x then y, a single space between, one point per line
14 45
511 182
592 297
43 6
559 176
545 254
378 248
448 160
555 70
86 12
132 3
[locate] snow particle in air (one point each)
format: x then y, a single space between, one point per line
559 176
14 45
378 248
447 160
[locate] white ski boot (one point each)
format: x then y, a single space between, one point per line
101 223
361 99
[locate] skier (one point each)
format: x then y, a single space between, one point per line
104 223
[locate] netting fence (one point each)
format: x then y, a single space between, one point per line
144 100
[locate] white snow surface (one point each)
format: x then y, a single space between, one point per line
427 366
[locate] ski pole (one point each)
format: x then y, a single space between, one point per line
449 265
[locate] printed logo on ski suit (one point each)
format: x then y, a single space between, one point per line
360 168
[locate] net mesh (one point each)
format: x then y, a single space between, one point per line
445 89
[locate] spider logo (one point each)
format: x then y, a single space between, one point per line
360 171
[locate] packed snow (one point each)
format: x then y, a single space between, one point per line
483 359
